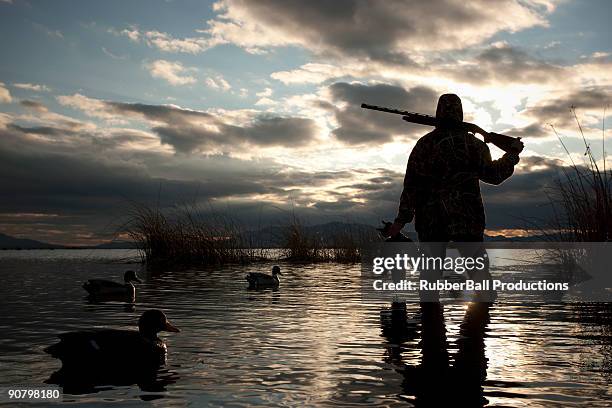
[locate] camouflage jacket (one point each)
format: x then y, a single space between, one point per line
441 186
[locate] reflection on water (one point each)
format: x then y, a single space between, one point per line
92 379
312 342
433 380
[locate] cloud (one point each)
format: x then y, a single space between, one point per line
166 42
48 31
132 33
265 102
218 83
600 54
92 107
523 199
112 55
32 87
89 191
380 30
313 73
188 131
386 31
88 177
33 105
532 130
264 98
172 72
556 110
5 95
265 93
361 126
500 63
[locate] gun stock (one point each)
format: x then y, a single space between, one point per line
506 143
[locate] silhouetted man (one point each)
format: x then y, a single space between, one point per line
441 186
442 190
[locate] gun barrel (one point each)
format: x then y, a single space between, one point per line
413 117
383 109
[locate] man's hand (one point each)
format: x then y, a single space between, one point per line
517 146
395 229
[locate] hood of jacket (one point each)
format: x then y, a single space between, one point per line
449 110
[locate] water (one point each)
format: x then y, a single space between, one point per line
314 342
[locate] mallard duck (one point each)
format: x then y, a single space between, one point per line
102 287
108 348
258 279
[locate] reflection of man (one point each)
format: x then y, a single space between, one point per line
442 188
433 381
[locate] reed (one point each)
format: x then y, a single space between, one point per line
582 198
188 236
184 237
342 245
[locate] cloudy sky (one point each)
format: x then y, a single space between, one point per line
252 107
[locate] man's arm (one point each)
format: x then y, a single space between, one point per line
405 213
496 171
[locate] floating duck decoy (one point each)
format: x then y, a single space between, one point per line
106 288
110 347
262 280
96 357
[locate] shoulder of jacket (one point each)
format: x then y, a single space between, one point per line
426 139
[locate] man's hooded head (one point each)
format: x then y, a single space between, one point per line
449 110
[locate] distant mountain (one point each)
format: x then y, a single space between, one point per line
268 237
274 237
117 244
8 242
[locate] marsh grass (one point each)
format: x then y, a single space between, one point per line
184 237
582 198
343 245
188 236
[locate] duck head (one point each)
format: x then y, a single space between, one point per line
130 276
276 270
154 321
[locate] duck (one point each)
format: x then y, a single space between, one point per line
103 287
259 280
104 349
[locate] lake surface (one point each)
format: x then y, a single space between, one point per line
314 342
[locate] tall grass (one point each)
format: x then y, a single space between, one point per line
582 200
582 208
191 237
342 245
185 238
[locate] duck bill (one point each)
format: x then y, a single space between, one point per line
171 328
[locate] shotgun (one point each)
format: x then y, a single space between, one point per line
506 143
